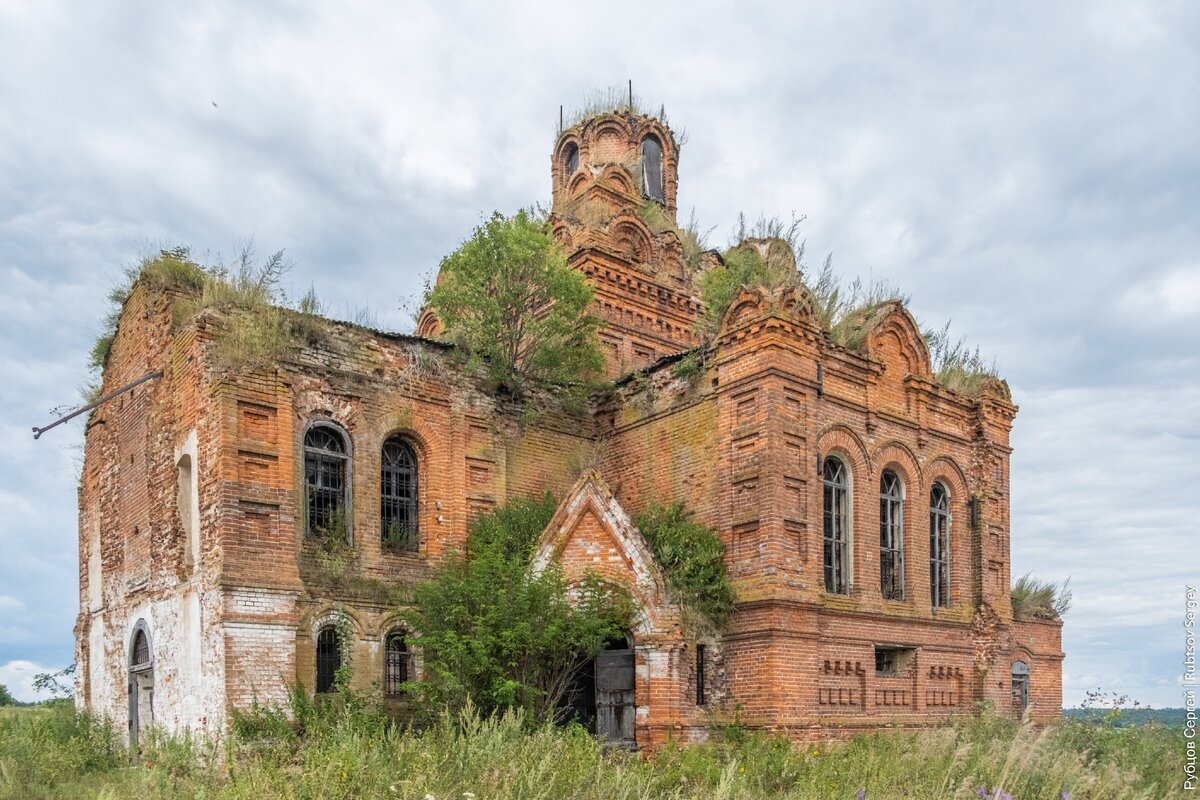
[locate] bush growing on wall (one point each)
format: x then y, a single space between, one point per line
692 558
495 634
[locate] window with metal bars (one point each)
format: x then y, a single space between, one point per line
837 532
939 546
701 669
397 664
891 536
140 657
398 496
652 169
329 658
325 465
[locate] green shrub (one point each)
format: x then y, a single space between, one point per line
498 635
692 558
508 297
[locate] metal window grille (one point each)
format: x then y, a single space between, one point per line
836 533
891 537
398 496
652 169
397 665
140 659
329 658
939 546
324 480
885 662
701 668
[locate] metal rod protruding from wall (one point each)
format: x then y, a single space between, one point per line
37 432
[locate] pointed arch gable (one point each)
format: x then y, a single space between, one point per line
591 531
897 342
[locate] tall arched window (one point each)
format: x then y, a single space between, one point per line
891 537
939 545
652 169
398 496
325 482
329 658
571 158
397 663
837 530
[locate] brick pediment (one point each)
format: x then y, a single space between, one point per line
591 532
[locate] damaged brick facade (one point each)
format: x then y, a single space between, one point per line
195 525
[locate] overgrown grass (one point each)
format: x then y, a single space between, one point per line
349 748
256 326
1037 599
618 100
692 560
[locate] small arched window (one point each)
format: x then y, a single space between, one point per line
140 657
571 159
891 536
1020 686
398 496
329 658
397 664
939 546
652 169
325 466
837 530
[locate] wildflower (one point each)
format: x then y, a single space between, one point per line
1065 795
469 795
862 794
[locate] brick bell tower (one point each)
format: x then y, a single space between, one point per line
615 176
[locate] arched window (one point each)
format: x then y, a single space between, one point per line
139 653
397 664
652 169
939 545
329 658
1020 686
891 537
325 482
837 530
571 158
398 496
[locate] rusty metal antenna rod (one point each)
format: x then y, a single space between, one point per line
37 432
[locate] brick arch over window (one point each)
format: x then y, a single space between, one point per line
945 471
840 441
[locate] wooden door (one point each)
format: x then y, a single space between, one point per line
615 704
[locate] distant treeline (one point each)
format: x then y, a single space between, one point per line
1170 717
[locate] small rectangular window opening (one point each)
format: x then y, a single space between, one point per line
893 661
701 665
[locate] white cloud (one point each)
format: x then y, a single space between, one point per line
18 677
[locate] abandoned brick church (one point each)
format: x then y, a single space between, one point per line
864 507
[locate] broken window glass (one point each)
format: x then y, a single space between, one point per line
397 668
652 169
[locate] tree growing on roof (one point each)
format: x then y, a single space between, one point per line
508 297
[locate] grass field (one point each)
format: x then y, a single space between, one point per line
54 752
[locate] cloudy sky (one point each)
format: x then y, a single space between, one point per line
1030 171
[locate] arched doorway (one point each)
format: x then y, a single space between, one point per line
602 694
141 683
